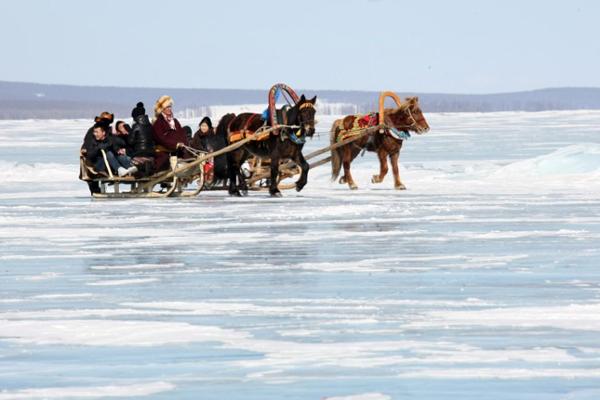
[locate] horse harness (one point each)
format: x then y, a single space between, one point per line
281 116
244 132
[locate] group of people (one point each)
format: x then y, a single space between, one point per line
144 147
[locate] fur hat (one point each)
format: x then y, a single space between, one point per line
105 116
161 104
138 110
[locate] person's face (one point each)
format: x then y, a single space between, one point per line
168 111
121 129
204 127
99 133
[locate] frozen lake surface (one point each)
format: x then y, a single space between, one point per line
481 281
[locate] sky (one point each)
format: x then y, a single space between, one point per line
458 46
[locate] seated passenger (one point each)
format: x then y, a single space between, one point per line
106 118
169 136
141 142
122 134
122 129
202 141
118 161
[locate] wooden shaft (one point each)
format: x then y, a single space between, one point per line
365 131
289 164
320 162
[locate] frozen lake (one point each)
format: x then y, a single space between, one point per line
481 281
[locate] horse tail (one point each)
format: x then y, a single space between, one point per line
221 163
336 160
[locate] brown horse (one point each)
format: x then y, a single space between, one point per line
407 117
287 144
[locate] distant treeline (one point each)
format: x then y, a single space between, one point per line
30 100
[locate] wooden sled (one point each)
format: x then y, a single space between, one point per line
159 185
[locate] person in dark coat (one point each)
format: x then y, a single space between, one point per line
201 140
122 133
141 141
107 119
168 136
117 159
206 139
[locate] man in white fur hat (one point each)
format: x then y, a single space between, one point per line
168 133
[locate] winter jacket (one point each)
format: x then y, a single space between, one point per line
202 141
140 138
210 142
165 136
93 147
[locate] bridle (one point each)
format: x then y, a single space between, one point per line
301 122
414 125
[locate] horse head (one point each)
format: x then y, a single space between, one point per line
303 115
407 117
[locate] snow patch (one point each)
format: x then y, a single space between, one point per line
362 396
88 392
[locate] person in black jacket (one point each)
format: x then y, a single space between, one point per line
123 136
106 119
116 156
140 140
205 139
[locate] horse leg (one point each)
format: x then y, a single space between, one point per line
242 182
341 151
346 161
396 170
273 189
233 172
383 167
301 161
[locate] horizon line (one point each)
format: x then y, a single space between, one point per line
306 89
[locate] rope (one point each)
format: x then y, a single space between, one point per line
193 151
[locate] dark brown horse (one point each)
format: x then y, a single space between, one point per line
286 144
407 117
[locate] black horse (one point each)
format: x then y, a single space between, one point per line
286 144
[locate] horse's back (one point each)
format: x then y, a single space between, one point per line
246 121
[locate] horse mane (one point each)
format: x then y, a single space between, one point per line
409 102
223 125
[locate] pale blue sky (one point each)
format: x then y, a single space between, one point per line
459 46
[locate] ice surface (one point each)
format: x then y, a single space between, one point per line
479 281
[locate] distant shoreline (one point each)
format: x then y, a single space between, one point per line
21 100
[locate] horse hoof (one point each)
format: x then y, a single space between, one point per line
299 187
375 179
400 187
342 180
276 194
235 194
353 187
